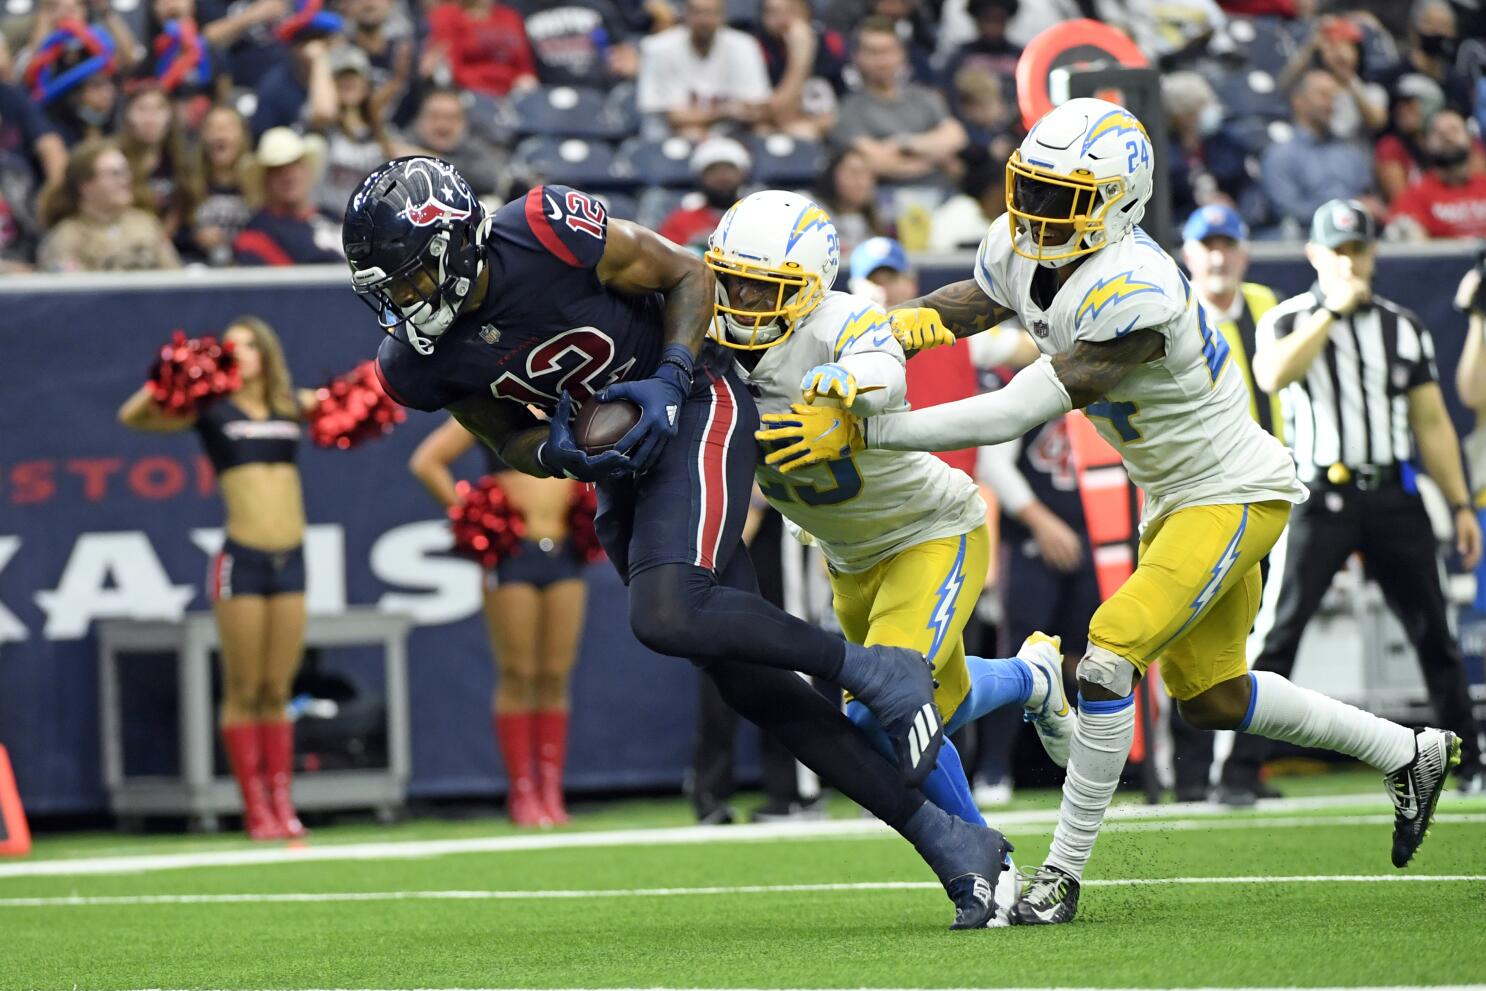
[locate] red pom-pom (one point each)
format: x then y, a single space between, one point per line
486 526
581 531
190 371
352 409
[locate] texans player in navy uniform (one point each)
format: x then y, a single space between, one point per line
547 302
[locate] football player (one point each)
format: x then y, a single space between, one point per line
904 534
1124 339
547 302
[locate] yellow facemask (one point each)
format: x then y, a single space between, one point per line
795 294
1037 197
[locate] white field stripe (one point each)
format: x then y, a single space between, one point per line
1133 818
71 901
1394 987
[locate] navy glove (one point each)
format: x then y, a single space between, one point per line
659 398
561 456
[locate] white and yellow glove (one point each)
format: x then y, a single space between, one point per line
920 328
810 435
830 381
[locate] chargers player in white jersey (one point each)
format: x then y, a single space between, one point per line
903 533
1124 339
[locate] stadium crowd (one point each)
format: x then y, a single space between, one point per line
154 134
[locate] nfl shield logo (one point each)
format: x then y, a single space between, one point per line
1040 328
490 334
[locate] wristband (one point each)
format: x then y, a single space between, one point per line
1462 507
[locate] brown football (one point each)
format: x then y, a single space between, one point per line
600 425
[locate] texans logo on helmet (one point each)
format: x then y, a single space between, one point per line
431 211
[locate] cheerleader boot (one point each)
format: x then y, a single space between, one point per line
514 731
246 757
552 748
278 760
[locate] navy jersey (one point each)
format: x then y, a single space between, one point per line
233 438
546 325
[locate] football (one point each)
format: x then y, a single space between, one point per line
600 425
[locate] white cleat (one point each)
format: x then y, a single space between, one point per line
1054 718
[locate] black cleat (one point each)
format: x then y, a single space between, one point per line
900 693
1050 898
974 892
1415 789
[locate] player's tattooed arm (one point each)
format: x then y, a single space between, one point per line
1091 369
639 261
509 429
964 308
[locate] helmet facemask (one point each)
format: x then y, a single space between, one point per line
772 301
426 292
1040 202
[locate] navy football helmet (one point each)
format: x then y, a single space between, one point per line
414 236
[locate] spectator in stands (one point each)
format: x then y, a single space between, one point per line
1335 45
81 94
961 221
288 90
484 45
1207 163
848 192
989 118
579 42
153 142
1449 200
182 59
1431 52
28 138
720 167
91 221
391 53
914 26
805 62
1314 166
1397 156
904 130
703 74
990 51
534 608
245 32
442 129
227 187
75 16
351 127
287 229
257 581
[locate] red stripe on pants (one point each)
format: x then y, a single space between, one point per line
714 472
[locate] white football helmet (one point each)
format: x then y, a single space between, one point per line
1087 166
775 254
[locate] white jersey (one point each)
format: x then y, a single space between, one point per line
865 508
1181 422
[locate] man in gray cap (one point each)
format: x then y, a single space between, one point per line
1362 404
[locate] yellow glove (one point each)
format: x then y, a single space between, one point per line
832 381
809 435
920 328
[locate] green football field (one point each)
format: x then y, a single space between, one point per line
1297 894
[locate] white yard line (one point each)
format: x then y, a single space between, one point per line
1412 987
251 898
1132 818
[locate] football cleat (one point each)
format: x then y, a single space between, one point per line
1053 719
974 893
900 693
1050 898
1415 789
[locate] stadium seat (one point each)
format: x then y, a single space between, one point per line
655 163
1260 43
570 161
780 160
1249 92
568 112
618 204
656 204
489 119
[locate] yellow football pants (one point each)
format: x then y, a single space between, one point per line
1192 599
920 598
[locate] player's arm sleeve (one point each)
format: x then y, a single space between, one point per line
995 465
570 225
1033 396
990 264
410 383
867 349
1419 351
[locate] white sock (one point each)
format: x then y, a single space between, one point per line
1284 711
1101 743
1040 687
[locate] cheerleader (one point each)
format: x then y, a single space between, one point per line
534 603
256 582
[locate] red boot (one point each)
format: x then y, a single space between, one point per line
514 730
245 755
552 752
277 739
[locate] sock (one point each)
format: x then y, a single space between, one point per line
514 730
1284 711
1101 743
995 682
946 786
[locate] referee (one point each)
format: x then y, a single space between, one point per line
1360 394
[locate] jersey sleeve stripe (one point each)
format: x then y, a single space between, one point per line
387 386
541 226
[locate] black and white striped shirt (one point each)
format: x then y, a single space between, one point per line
1351 406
